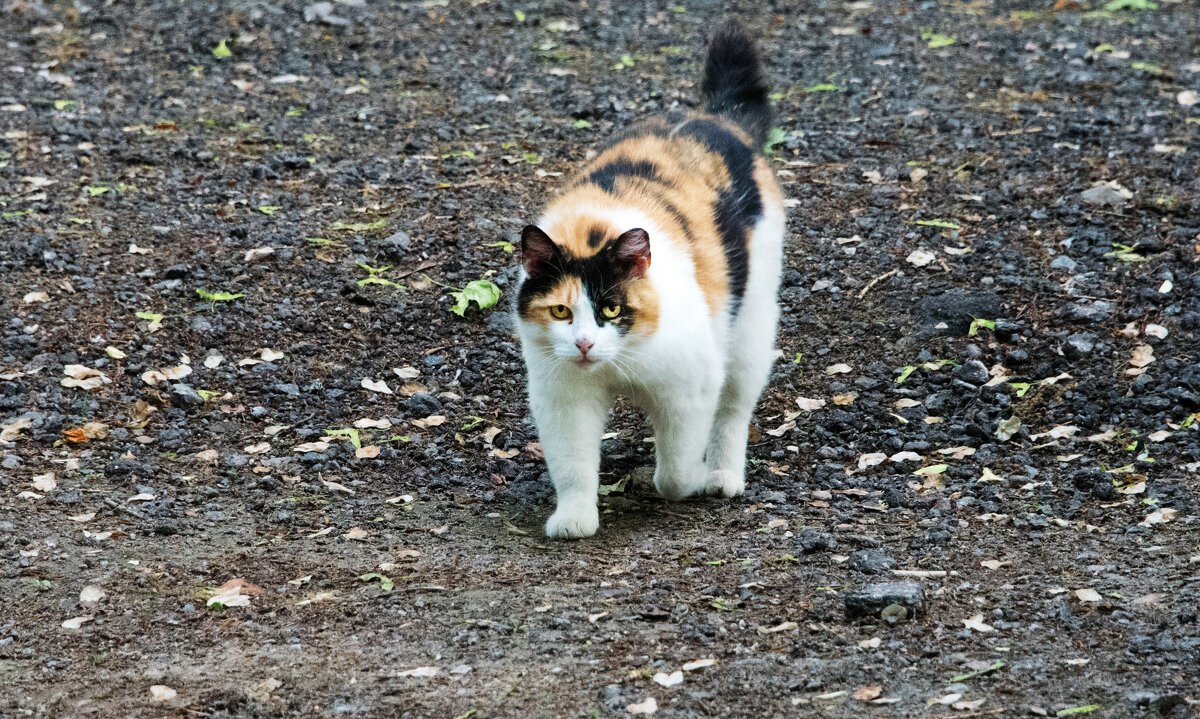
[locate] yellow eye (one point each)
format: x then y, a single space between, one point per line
611 312
560 312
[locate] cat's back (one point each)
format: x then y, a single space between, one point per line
698 177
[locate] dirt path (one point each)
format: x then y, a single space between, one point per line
940 160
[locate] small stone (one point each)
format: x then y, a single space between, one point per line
873 598
1062 262
894 613
1079 346
871 561
810 540
424 404
972 372
184 396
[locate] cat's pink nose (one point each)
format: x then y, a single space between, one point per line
584 345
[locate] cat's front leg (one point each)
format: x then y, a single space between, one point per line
570 423
682 421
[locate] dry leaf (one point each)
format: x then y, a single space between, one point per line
432 420
311 447
920 257
809 405
866 694
420 672
75 622
784 627
649 706
356 533
257 253
698 664
91 594
366 423
260 448
871 460
845 399
976 623
406 373
45 482
669 680
840 368
368 452
374 386
1087 595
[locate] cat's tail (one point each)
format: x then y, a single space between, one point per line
733 84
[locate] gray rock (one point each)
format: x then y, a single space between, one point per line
424 404
1103 195
871 561
1062 262
810 540
184 396
1079 345
323 12
873 598
1096 311
973 372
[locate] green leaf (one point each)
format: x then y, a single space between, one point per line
207 394
775 136
222 51
359 226
582 124
997 666
1021 387
96 190
219 296
905 372
931 470
615 488
63 104
1117 5
1147 67
351 433
937 223
1104 47
532 158
520 16
824 87
625 61
460 153
506 246
268 209
318 241
482 292
149 316
385 582
19 213
373 280
1086 709
936 39
295 111
977 323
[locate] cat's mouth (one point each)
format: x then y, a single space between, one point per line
586 362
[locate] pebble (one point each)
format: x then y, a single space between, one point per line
871 561
810 540
873 598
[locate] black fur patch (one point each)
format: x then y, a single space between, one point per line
603 276
738 206
606 176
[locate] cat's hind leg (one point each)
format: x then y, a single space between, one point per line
682 421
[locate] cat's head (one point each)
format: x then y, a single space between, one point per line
588 304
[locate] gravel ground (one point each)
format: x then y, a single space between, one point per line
973 481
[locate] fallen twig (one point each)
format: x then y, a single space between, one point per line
876 281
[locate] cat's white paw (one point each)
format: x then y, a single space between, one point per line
726 482
676 487
573 522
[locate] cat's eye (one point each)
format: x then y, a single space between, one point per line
611 312
560 312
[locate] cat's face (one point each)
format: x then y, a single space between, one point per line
587 310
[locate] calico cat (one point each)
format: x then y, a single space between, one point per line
654 275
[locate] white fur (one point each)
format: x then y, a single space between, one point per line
698 377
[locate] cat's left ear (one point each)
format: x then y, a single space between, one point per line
537 249
633 248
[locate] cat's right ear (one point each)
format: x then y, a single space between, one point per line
537 250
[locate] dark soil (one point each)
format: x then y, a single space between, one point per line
437 129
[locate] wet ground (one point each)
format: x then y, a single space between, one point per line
987 391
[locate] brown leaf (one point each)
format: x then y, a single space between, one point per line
75 435
866 694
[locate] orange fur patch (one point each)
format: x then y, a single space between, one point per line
564 293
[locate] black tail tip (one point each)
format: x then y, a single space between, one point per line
733 83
